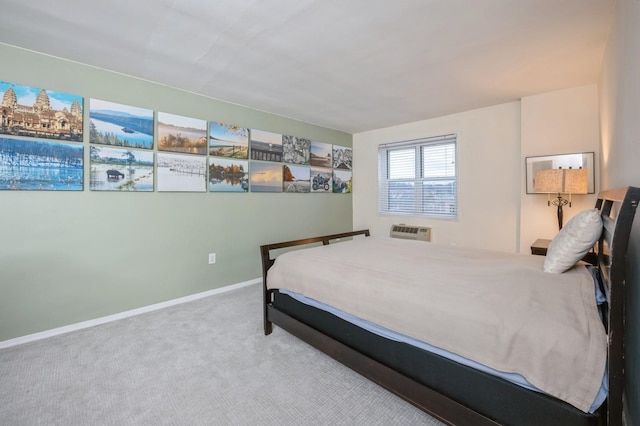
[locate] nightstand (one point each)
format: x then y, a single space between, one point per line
540 246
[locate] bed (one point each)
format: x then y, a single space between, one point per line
442 336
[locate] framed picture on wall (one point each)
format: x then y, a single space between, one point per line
265 177
228 141
181 173
321 154
342 157
34 112
321 179
342 181
295 150
120 125
120 169
228 175
296 178
182 134
266 146
34 165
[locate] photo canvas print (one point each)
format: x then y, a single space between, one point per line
265 177
182 134
342 181
121 125
321 179
266 146
295 178
120 169
228 175
33 165
321 154
228 141
296 150
34 112
181 173
342 157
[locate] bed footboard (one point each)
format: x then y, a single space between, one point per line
267 261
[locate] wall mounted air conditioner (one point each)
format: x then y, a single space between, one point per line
407 232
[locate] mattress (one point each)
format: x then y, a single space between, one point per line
542 327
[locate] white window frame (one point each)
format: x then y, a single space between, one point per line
411 203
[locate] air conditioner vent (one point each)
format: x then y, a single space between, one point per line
406 232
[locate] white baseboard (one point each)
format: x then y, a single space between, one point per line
93 322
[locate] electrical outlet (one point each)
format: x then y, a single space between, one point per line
212 258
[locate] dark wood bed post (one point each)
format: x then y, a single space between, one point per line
267 261
613 268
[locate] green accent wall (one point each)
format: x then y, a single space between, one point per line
67 257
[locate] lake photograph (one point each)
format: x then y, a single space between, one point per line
182 134
120 125
228 175
31 165
119 169
228 141
181 173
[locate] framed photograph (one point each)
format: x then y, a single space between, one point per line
33 165
40 113
296 178
228 141
228 175
542 172
342 181
182 134
295 150
342 157
181 173
120 125
265 177
266 146
321 179
120 169
321 154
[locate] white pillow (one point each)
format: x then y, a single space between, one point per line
573 241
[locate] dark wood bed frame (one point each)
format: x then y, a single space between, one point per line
617 208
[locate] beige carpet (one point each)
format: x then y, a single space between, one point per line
200 363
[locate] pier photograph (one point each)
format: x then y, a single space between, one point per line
181 173
266 146
226 140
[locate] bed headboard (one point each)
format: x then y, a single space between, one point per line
618 208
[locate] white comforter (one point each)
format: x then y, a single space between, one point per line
498 309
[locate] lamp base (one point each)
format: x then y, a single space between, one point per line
559 201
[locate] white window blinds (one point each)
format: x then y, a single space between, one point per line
418 177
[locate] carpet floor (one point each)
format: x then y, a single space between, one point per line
205 362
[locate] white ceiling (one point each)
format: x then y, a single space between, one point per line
351 65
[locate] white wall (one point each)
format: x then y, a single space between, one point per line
560 122
488 183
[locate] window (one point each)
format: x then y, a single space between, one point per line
418 177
